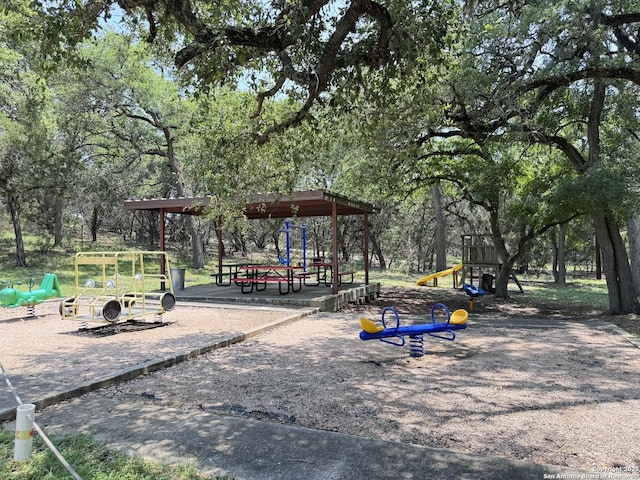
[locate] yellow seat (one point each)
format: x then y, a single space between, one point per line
459 317
370 327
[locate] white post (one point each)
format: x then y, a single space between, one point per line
25 416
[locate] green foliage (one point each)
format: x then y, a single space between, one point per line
226 159
593 191
46 258
466 99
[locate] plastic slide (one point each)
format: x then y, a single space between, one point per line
449 271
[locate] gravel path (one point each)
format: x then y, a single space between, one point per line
58 350
566 395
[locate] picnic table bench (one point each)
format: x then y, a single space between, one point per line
324 272
345 274
257 277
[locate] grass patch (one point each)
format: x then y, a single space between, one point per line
42 257
395 279
90 460
589 293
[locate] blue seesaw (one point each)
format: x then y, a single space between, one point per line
396 335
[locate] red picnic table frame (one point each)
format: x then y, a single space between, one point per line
257 276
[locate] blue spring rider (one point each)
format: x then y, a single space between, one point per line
473 292
396 335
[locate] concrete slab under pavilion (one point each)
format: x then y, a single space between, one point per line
319 297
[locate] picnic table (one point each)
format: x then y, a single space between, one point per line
324 267
321 268
256 277
228 270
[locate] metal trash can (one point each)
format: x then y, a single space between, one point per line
177 278
487 283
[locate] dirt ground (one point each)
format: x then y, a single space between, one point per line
62 352
515 383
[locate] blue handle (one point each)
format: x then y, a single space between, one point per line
384 324
443 307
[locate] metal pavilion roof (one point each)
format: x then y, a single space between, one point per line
311 203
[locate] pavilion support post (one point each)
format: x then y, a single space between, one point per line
220 249
334 261
163 261
366 249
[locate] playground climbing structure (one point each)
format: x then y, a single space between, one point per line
479 254
115 286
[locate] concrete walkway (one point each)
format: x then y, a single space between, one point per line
255 450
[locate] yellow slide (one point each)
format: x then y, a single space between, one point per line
449 271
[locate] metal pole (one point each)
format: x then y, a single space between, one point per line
220 250
286 226
334 263
163 260
304 247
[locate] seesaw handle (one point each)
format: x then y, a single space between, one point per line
384 324
440 306
398 343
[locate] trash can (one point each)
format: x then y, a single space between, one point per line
487 283
177 278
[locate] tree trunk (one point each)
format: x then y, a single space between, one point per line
633 229
502 279
505 269
622 295
275 237
441 230
95 223
562 254
504 272
342 243
197 259
238 241
554 256
598 261
377 251
57 226
615 263
14 208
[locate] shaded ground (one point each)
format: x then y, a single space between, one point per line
541 384
58 350
419 301
547 384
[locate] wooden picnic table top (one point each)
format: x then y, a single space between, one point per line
320 264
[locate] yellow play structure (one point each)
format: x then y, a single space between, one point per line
478 252
435 276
